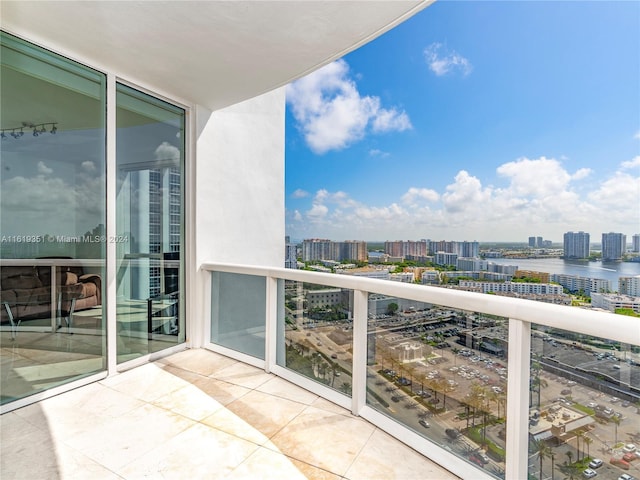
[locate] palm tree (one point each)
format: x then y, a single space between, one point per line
569 455
616 422
579 435
543 450
588 440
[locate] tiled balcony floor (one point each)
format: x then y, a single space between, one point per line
197 414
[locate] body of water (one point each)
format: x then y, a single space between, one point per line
582 268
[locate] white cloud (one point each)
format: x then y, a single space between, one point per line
88 166
581 173
539 177
391 120
442 61
43 169
331 112
465 194
299 193
166 151
415 194
317 212
633 163
374 152
538 196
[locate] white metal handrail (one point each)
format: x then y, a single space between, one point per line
521 314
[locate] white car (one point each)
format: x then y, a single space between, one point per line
595 463
629 448
626 476
588 473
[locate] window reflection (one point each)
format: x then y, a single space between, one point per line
52 217
149 223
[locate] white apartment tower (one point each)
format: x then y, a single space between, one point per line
635 241
576 245
613 246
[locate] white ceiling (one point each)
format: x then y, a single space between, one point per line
212 53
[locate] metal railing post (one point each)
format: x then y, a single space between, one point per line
518 372
359 378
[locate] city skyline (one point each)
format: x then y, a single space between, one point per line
457 125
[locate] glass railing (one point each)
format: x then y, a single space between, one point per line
487 386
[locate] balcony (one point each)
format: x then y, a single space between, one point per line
198 414
528 389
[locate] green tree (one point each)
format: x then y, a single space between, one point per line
392 308
543 450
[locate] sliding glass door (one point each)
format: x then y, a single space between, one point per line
150 176
53 217
52 220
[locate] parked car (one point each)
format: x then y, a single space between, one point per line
629 448
626 476
589 473
595 463
424 423
452 433
629 457
618 462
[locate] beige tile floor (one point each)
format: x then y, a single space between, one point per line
197 414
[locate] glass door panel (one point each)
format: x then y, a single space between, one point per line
52 217
149 224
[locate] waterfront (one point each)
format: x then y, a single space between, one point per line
611 271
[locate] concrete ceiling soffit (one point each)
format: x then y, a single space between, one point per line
206 52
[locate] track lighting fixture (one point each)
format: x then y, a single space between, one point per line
38 129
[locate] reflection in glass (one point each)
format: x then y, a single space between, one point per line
443 373
149 223
318 333
52 217
238 312
583 404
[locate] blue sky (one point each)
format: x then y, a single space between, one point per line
488 121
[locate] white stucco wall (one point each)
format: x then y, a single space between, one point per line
239 182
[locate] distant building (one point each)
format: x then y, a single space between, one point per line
471 263
614 246
575 284
500 268
444 258
542 276
635 243
629 286
576 245
536 242
321 249
290 254
612 301
513 287
368 272
328 297
404 249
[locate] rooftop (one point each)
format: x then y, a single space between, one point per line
198 414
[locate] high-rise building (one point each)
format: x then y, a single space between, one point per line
614 246
399 248
635 241
322 249
290 254
467 249
576 245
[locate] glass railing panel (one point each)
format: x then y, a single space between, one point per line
584 406
238 312
442 373
317 326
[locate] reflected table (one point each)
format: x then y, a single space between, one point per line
56 314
